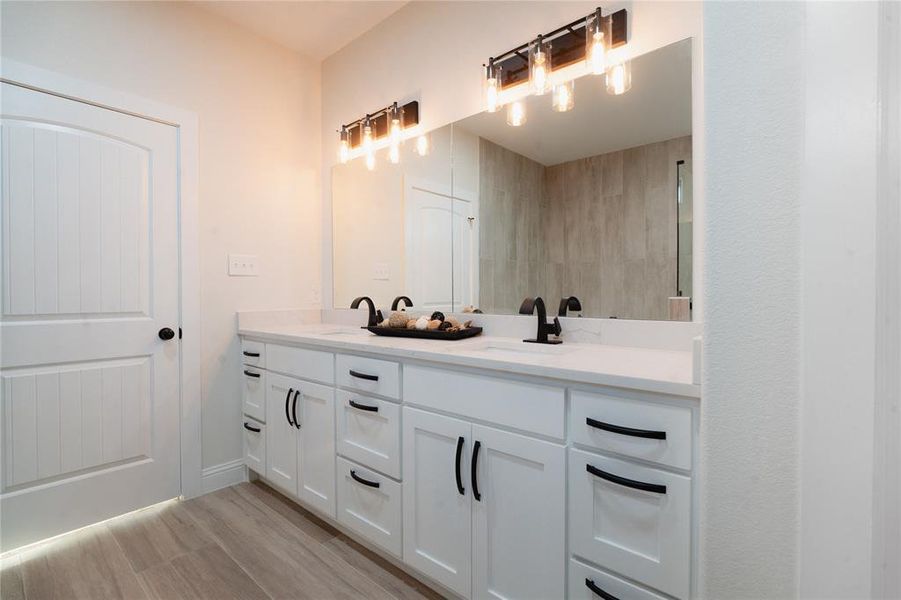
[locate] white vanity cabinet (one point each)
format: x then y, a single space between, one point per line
484 509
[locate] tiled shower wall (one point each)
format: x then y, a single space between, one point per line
601 228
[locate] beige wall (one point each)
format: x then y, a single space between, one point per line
601 228
258 114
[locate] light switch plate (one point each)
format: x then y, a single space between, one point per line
242 265
380 271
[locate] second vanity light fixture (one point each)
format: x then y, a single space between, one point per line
590 39
389 125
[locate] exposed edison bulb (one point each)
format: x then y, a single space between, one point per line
564 96
539 66
423 146
595 45
367 144
516 113
619 78
394 141
344 146
492 85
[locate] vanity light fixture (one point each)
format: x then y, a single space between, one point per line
386 127
564 96
595 42
619 77
492 85
539 65
516 113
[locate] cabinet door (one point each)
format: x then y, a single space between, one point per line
437 517
519 518
316 446
254 392
281 435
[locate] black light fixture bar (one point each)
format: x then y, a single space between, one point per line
380 123
568 47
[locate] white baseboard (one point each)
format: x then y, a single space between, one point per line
223 475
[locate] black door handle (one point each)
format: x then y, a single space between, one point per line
591 585
252 354
249 427
629 483
251 373
294 409
359 375
473 474
288 397
166 334
642 433
359 479
457 465
363 406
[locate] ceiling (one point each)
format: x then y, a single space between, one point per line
314 29
657 108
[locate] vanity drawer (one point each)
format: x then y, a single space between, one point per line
380 377
253 390
301 362
370 504
524 406
633 428
645 534
369 431
585 580
253 353
255 446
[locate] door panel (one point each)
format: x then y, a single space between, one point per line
90 402
437 518
281 434
519 521
316 447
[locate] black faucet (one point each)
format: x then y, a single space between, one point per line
527 308
571 303
405 299
375 316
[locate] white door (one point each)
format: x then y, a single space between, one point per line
466 272
429 249
437 517
90 393
316 447
282 399
518 517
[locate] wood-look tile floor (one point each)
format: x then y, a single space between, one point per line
246 541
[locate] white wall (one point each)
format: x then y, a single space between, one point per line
258 113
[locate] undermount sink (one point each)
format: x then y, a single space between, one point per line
520 347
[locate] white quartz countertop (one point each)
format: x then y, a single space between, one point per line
661 371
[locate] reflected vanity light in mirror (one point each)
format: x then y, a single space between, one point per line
423 145
619 78
516 113
564 96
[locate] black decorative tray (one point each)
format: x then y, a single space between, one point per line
426 334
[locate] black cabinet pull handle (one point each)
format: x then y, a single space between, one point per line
363 406
630 483
294 409
252 354
359 479
249 427
460 488
474 466
359 375
287 398
591 585
641 433
251 374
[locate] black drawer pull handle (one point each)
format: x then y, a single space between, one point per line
591 585
358 479
294 409
250 427
287 398
474 466
251 374
460 488
363 406
359 375
252 354
641 433
630 483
